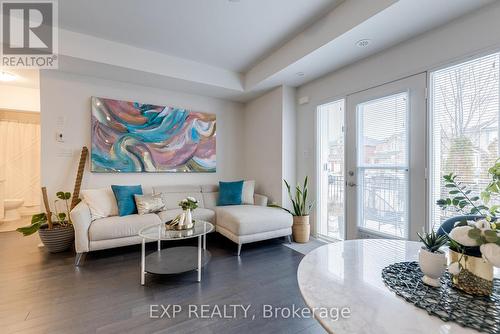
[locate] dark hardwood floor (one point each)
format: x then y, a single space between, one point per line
46 293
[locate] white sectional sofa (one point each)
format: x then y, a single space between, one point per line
240 223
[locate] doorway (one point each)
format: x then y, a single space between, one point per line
19 148
372 162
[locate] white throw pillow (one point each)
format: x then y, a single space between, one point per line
247 193
102 202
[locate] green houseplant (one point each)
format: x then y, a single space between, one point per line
54 228
474 243
431 259
301 208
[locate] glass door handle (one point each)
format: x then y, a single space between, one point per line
352 184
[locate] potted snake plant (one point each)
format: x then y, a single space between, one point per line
54 228
431 259
301 209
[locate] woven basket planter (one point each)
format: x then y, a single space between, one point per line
301 229
58 239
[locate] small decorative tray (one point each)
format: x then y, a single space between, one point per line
445 302
176 227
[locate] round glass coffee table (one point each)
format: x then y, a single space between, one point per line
175 260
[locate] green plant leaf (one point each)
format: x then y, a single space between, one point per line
491 236
39 218
441 202
485 196
475 233
494 208
272 205
461 223
29 230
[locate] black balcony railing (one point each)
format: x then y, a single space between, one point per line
384 197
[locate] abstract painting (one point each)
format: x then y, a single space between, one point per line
132 137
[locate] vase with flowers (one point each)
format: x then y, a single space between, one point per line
474 240
188 205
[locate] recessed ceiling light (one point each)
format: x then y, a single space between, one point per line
300 74
363 43
6 76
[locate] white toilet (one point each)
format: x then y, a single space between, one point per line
11 207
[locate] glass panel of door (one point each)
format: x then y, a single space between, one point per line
382 165
331 170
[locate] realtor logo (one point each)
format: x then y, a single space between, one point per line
29 34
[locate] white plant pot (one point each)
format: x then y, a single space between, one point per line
433 265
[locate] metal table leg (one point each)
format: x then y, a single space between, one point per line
159 237
199 259
143 261
204 242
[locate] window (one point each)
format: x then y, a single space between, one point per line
383 165
464 126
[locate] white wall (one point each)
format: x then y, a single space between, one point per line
263 145
19 98
473 34
270 148
289 126
65 104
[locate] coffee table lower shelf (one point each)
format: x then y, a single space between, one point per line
175 260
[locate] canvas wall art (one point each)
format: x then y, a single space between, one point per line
136 137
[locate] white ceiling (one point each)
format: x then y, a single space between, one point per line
232 35
399 22
237 50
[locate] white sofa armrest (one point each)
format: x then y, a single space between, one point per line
260 200
81 218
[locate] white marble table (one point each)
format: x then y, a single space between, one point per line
348 274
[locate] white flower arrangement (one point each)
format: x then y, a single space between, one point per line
466 236
482 234
189 203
